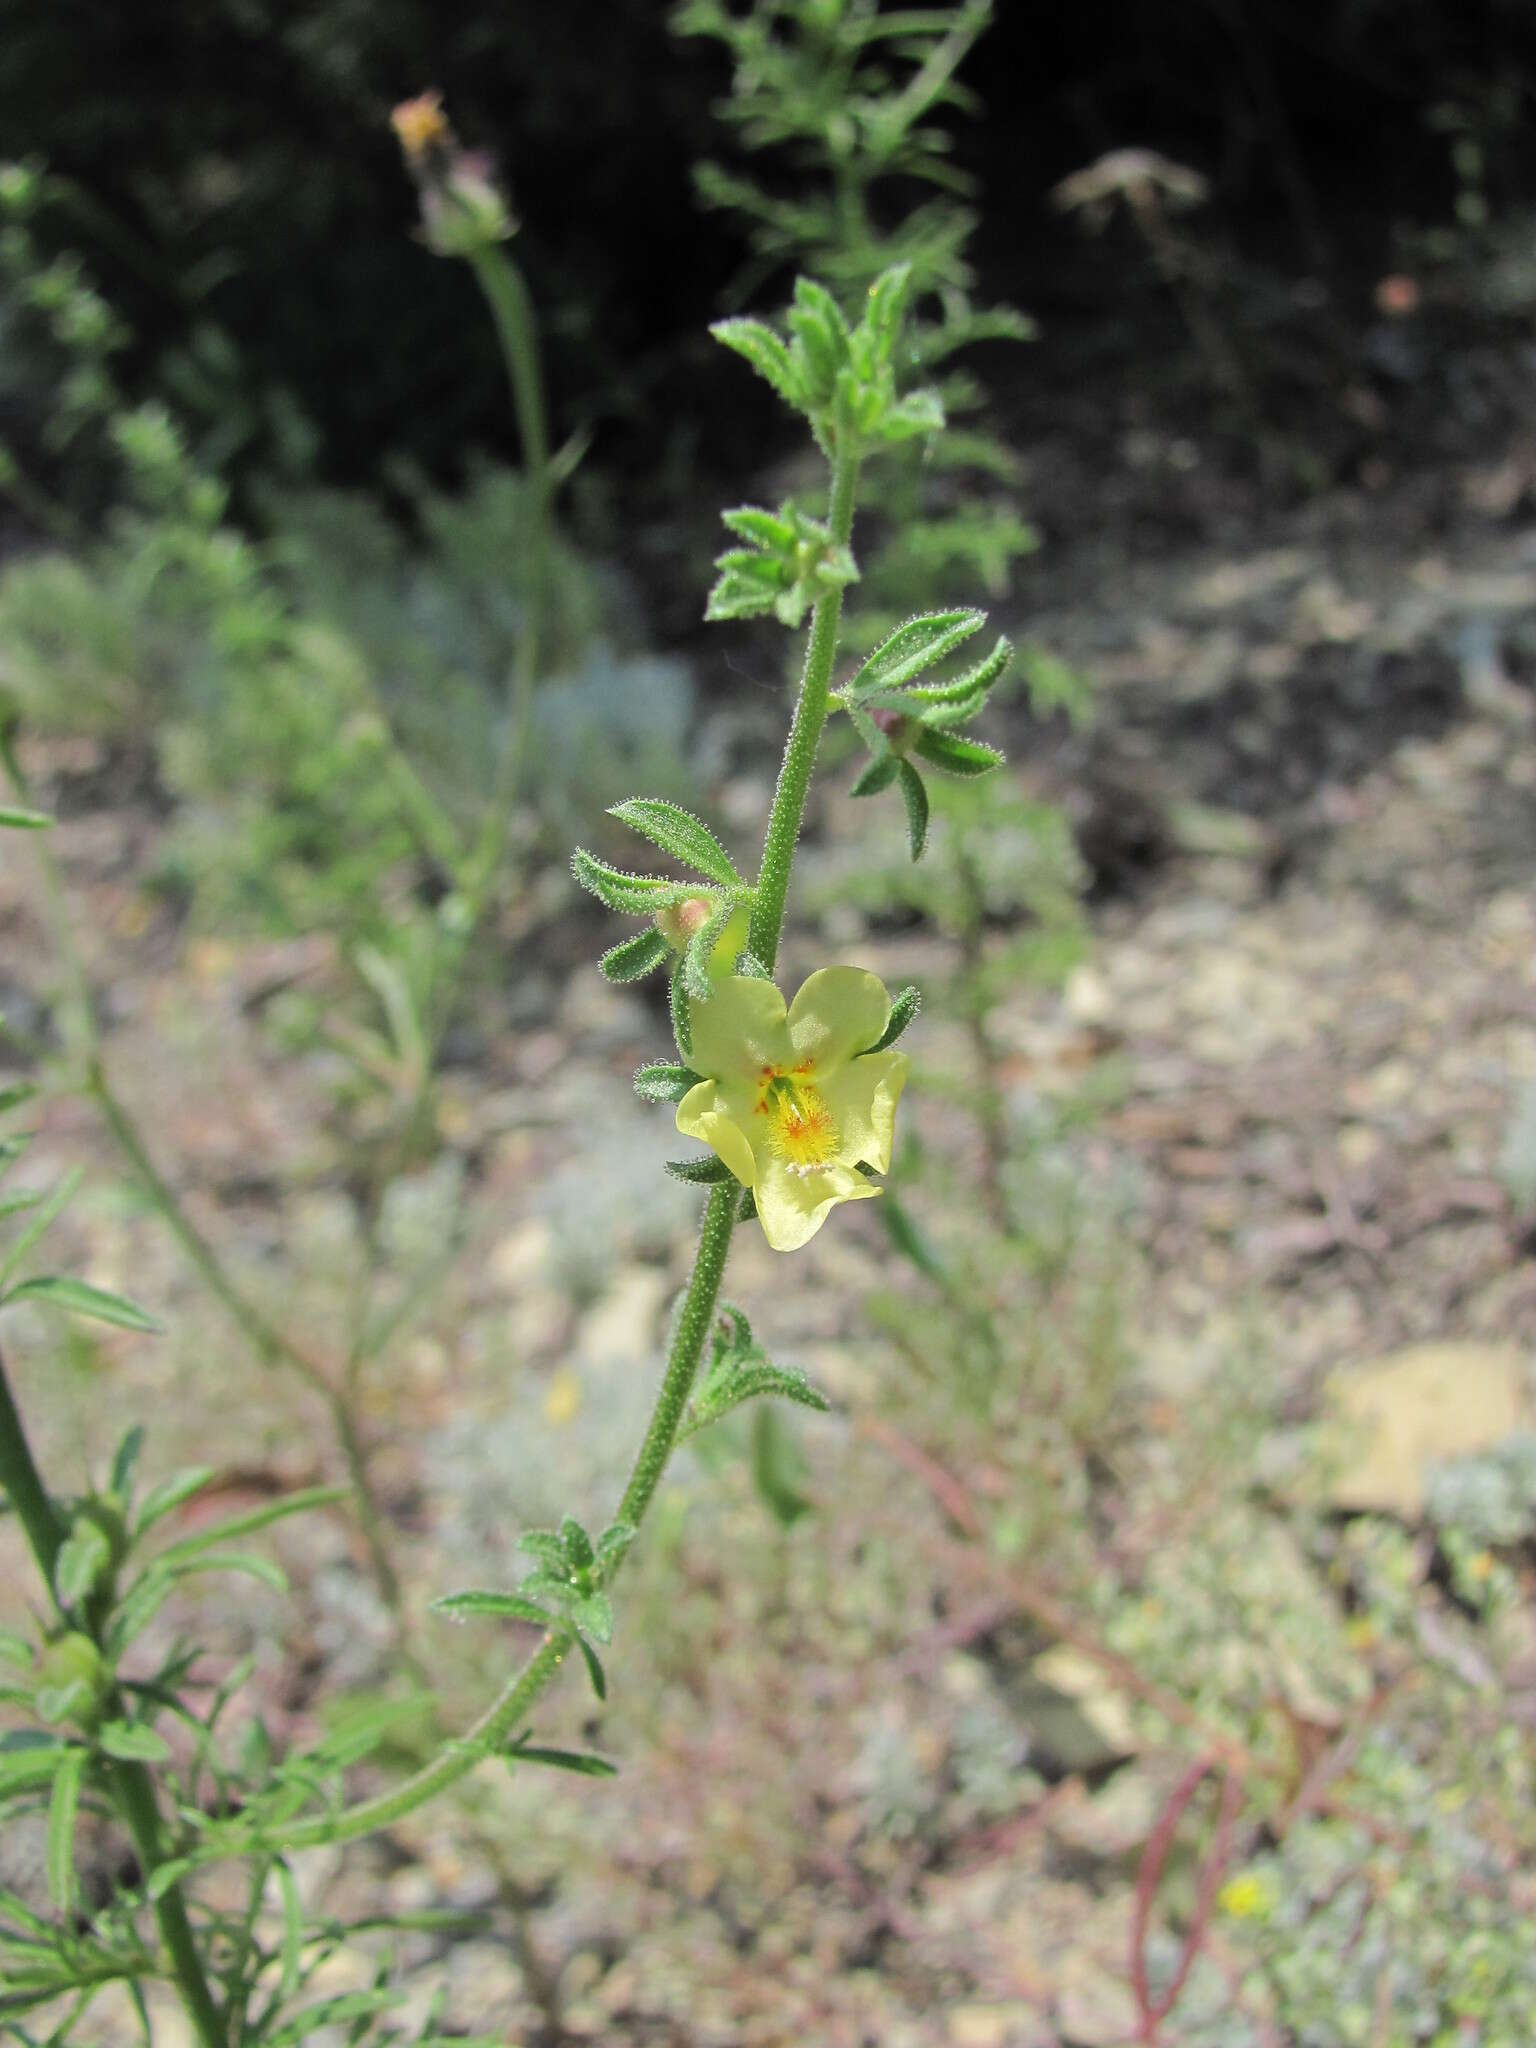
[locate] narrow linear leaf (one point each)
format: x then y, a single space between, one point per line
23 820
632 958
580 1761
15 1093
915 797
293 1928
633 895
46 1216
677 999
767 354
83 1556
954 756
904 1007
125 1462
679 833
501 1606
79 1299
660 1081
27 1770
62 1807
700 1173
161 1500
877 775
594 1667
244 1562
980 676
298 1503
913 647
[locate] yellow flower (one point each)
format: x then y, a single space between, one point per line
420 125
791 1101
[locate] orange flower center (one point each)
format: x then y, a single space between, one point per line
801 1130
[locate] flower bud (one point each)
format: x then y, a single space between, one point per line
899 730
679 921
463 210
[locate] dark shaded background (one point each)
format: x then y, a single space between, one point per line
242 177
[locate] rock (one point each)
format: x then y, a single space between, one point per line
1400 1414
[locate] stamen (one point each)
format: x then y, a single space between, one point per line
800 1125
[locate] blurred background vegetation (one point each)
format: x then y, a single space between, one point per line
268 556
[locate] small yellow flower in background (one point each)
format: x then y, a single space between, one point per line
787 1101
420 124
1248 1896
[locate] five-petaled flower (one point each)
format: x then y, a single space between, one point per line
793 1101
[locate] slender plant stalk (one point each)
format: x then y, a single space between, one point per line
24 1487
132 1786
500 1720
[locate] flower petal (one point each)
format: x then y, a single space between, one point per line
740 1030
701 1115
793 1206
862 1097
838 1012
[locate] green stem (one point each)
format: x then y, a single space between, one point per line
135 1794
804 736
501 1719
24 1486
687 1345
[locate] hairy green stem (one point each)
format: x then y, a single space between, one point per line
687 1345
784 820
500 1720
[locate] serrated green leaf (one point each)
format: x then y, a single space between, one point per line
679 833
22 820
904 1007
632 895
915 646
954 756
297 1503
499 1606
132 1742
581 1761
632 958
660 1081
169 1494
699 1173
915 796
75 1297
877 775
62 1807
767 354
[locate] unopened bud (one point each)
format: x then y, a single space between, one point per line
463 209
679 921
899 730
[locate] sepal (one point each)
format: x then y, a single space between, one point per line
660 1081
905 1005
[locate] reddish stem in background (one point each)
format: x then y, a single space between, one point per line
1150 2015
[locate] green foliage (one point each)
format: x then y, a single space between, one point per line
848 103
